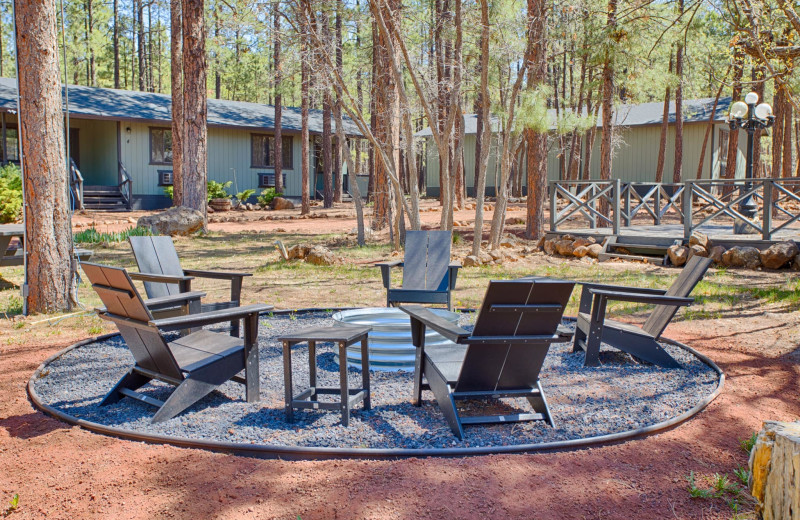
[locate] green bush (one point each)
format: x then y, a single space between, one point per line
265 199
242 196
217 190
169 191
92 236
10 194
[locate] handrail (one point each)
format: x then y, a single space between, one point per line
125 185
76 183
694 202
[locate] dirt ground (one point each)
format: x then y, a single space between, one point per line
66 472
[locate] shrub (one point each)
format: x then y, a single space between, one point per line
217 190
10 194
242 196
265 199
92 236
169 191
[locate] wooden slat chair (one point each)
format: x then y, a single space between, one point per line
160 270
197 363
593 328
503 355
428 275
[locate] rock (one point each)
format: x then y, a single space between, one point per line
131 220
174 221
716 254
550 246
773 478
565 247
496 254
778 255
584 241
281 203
485 258
581 251
594 250
515 221
741 256
540 242
697 250
471 261
209 209
298 252
508 242
319 255
796 263
701 240
678 254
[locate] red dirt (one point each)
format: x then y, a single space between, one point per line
66 472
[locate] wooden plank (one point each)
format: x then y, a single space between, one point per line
415 260
436 276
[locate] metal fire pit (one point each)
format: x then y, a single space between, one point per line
390 346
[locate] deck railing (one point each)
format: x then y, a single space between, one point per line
125 185
693 204
76 184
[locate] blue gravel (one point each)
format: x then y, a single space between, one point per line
617 396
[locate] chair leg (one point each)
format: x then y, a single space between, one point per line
593 349
539 405
579 340
444 398
132 381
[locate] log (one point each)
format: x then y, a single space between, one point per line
775 471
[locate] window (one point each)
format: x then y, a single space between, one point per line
11 146
263 151
723 146
160 146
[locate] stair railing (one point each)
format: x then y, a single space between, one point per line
76 184
125 185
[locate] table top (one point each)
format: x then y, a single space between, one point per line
339 333
14 230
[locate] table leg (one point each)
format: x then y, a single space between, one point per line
365 371
312 365
345 391
287 379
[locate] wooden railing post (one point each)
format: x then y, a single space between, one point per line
553 205
591 194
657 203
617 196
627 206
688 192
766 209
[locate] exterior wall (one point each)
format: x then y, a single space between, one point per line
634 160
97 146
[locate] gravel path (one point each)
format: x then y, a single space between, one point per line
617 396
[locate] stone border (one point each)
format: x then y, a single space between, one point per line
306 453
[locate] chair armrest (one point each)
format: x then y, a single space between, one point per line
222 275
453 270
170 301
431 320
164 278
209 318
585 305
655 299
386 268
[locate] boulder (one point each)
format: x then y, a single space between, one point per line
485 258
716 254
319 255
778 255
581 251
298 252
584 241
565 247
697 250
594 250
515 221
678 254
701 240
496 254
471 261
540 242
174 221
796 263
550 246
508 242
209 209
742 256
281 203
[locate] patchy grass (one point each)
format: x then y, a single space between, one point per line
92 236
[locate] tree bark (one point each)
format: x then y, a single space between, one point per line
195 156
304 137
608 105
778 104
278 101
50 265
176 71
139 6
115 44
733 136
662 144
337 110
710 128
786 171
535 138
677 171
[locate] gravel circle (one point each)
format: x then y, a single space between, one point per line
618 396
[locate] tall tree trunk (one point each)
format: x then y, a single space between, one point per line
536 138
662 143
304 137
195 145
115 44
591 133
217 75
733 136
337 109
787 141
710 128
139 6
90 38
778 105
608 105
50 265
278 101
176 72
384 97
677 171
757 77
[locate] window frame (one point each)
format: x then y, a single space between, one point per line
150 140
285 138
11 126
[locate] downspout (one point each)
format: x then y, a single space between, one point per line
22 175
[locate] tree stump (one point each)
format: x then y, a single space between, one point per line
775 471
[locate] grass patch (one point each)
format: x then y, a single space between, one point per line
748 443
92 236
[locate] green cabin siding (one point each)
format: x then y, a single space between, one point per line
634 159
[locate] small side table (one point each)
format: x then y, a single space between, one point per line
344 336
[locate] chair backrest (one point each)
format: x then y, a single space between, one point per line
691 274
525 307
121 298
157 255
426 261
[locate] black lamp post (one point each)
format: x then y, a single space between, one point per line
750 117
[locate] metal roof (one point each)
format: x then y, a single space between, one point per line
694 111
128 105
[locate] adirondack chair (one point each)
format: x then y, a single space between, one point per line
160 270
501 357
428 275
593 328
196 364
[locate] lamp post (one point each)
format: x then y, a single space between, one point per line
749 116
